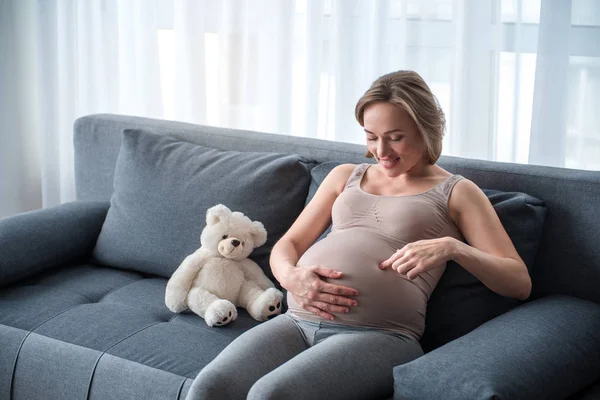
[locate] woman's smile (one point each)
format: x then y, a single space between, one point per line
388 162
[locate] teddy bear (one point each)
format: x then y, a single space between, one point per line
219 276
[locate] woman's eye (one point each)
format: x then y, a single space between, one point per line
224 236
396 138
371 139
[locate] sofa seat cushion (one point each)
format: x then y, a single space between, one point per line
105 314
164 186
51 369
32 303
546 349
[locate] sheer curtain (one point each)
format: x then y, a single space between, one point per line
519 79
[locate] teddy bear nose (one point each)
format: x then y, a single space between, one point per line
235 243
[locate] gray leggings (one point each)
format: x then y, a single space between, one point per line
287 358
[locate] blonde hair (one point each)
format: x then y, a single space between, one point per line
408 90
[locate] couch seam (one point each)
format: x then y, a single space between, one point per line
119 288
60 313
12 378
204 328
101 355
11 389
135 333
64 290
89 389
181 388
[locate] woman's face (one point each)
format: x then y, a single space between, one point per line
393 138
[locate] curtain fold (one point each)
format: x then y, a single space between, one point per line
519 80
549 122
189 49
21 165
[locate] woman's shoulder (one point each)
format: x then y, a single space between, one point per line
343 171
466 195
339 175
466 187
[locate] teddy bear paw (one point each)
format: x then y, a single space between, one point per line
220 313
267 305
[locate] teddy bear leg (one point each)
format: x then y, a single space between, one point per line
215 311
260 304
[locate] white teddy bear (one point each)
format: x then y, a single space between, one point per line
219 276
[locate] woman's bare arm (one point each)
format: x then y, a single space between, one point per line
305 284
490 254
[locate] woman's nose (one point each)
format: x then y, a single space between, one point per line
382 149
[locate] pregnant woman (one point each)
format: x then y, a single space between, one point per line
357 299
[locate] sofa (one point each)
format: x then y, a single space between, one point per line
82 284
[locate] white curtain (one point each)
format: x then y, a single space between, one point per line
519 80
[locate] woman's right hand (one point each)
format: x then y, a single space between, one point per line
316 295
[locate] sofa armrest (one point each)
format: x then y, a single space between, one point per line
38 240
546 349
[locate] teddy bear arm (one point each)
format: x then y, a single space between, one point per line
181 282
254 273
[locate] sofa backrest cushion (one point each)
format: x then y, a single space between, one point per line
569 242
163 187
460 302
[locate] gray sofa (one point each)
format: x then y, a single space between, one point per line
82 311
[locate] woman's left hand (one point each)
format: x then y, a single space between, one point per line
420 256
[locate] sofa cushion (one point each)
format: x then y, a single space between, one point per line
163 187
118 312
546 349
460 302
107 331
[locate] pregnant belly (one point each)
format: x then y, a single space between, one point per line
386 299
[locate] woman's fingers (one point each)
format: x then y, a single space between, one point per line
402 265
323 298
393 258
319 312
322 309
338 289
327 272
336 300
332 294
328 307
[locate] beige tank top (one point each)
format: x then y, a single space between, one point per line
366 230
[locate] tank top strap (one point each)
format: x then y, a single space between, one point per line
356 176
446 187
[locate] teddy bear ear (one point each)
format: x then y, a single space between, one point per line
259 233
216 214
